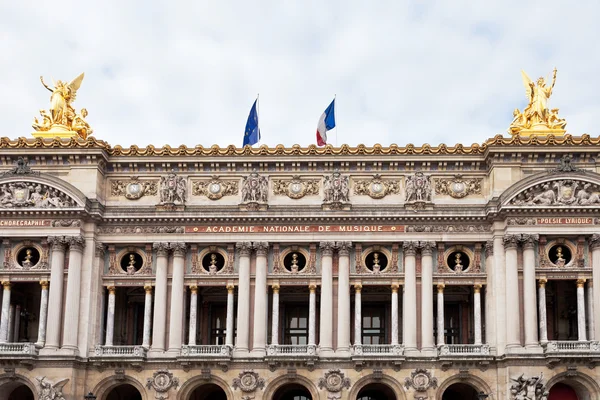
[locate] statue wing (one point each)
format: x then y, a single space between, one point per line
60 384
74 85
527 83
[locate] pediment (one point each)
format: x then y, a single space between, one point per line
33 192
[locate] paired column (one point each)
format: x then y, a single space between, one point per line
529 292
275 317
490 315
177 297
55 295
43 315
427 344
440 315
542 310
229 321
193 315
595 248
581 328
394 341
326 325
160 300
4 318
477 313
358 315
147 316
312 315
259 336
110 317
499 299
590 311
513 322
243 305
71 320
409 314
343 321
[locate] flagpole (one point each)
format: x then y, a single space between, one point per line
258 116
336 123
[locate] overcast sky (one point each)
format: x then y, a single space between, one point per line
176 72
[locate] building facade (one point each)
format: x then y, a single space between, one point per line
300 273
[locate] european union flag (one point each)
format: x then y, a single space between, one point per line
252 133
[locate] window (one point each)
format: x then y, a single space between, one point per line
296 325
373 325
218 325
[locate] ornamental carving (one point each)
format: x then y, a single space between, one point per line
564 192
295 188
215 189
248 381
418 188
448 228
133 189
420 380
524 388
161 381
457 187
51 391
376 188
173 189
33 195
110 230
21 168
336 189
334 381
255 188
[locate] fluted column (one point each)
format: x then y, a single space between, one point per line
357 315
595 249
110 317
71 320
193 315
326 320
41 339
55 294
177 297
542 310
477 313
440 315
394 307
427 339
275 316
259 333
243 304
513 322
4 323
490 315
312 315
11 319
229 322
343 321
409 314
581 329
147 316
590 311
529 291
159 323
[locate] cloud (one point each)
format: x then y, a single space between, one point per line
403 72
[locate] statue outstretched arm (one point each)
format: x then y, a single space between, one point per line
553 78
44 83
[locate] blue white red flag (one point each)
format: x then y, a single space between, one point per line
326 123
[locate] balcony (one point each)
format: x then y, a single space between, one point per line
291 351
464 350
128 353
205 352
572 347
377 351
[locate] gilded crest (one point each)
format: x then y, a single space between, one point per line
215 188
376 188
295 188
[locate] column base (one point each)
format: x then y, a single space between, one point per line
411 352
258 353
514 349
534 348
173 352
155 352
241 352
49 351
325 352
428 352
69 350
343 352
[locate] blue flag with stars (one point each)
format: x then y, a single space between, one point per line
252 132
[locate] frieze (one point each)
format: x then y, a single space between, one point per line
25 222
293 228
376 187
448 228
33 195
133 189
66 223
296 188
215 189
563 192
457 187
110 230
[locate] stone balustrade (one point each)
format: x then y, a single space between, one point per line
571 346
378 350
15 349
209 351
291 350
464 350
120 351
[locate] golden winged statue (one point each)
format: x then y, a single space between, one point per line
536 116
61 119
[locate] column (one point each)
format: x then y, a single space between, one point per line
394 341
159 323
427 344
5 312
513 322
409 314
590 311
147 316
542 310
177 296
55 294
440 315
243 304
11 319
582 337
229 322
17 323
71 320
343 321
529 292
594 243
41 340
110 317
259 333
490 315
193 315
275 317
326 320
358 315
312 315
477 313
499 287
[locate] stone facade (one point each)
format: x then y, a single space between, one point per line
336 273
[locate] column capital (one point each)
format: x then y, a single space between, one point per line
440 287
542 282
6 285
344 248
427 247
76 243
275 288
230 288
99 250
194 289
510 241
410 248
111 290
179 248
358 287
148 289
595 241
395 287
162 248
44 285
529 241
244 248
312 288
489 248
326 248
580 283
261 248
57 243
477 287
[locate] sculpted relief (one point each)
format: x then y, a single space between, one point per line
336 189
173 189
33 195
564 192
418 188
255 188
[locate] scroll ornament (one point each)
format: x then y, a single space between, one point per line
458 187
295 188
215 189
376 187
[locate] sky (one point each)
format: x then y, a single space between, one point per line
187 72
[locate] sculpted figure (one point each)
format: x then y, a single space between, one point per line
49 391
294 267
547 197
173 189
335 188
376 266
418 187
62 115
560 259
255 188
213 264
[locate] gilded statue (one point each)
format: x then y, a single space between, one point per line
61 119
536 116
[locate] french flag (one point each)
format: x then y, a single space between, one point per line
326 123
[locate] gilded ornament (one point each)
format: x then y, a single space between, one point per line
457 187
295 188
376 187
134 188
215 189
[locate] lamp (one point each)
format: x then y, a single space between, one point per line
482 396
89 396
